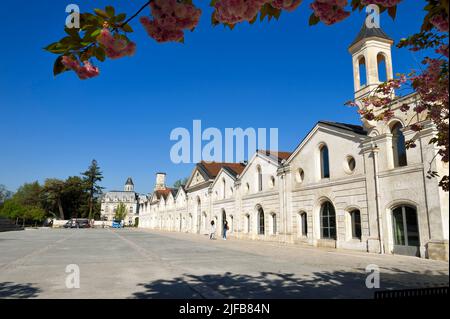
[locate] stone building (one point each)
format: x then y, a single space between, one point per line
344 186
111 200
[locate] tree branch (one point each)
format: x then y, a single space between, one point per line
136 14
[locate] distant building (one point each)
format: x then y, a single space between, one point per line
128 197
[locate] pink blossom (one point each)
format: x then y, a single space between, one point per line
288 5
170 19
382 3
330 11
440 22
84 72
115 47
235 11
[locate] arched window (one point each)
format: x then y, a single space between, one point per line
303 225
247 227
224 188
274 224
398 145
328 221
362 72
260 182
199 205
355 216
231 225
324 162
382 71
261 222
224 217
204 224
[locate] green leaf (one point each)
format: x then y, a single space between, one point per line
101 13
127 28
73 32
120 17
100 54
313 20
95 33
110 11
58 67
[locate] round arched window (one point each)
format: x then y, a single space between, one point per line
350 164
300 175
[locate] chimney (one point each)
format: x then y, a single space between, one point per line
160 181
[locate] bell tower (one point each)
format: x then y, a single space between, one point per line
372 60
129 186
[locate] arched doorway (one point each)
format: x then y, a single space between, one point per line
224 219
204 221
328 221
406 231
302 225
261 221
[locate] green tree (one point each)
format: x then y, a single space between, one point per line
12 209
121 212
36 214
52 192
180 182
74 197
91 177
29 194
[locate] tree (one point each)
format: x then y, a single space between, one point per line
180 182
121 212
29 194
90 179
53 192
74 197
12 209
4 193
36 214
104 34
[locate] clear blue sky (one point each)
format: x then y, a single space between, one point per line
281 74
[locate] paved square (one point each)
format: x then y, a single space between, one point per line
148 264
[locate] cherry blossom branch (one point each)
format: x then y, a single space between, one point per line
137 13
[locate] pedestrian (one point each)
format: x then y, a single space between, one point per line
225 229
212 234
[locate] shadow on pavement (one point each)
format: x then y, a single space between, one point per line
266 285
18 291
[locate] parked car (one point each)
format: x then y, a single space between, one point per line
77 223
117 224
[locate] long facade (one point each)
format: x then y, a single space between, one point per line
344 186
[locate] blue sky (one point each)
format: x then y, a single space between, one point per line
281 74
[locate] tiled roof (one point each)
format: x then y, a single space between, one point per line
366 32
213 168
280 156
163 192
129 181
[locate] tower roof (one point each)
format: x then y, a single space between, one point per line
129 181
366 33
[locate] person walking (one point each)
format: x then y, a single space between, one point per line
225 229
212 233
